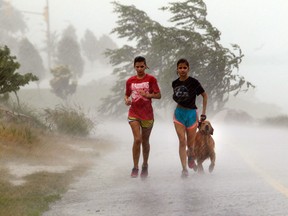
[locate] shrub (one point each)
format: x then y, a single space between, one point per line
19 133
281 120
69 121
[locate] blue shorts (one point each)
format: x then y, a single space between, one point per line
186 117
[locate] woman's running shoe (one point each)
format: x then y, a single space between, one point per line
184 173
134 173
144 172
191 163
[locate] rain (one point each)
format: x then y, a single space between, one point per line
250 131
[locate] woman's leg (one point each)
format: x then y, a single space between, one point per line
191 134
136 149
146 145
181 133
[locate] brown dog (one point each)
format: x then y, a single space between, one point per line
204 146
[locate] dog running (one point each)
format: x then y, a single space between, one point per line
204 146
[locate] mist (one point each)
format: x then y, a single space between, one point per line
250 176
263 46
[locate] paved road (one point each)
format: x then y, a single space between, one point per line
250 177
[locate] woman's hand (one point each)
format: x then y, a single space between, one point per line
145 94
128 101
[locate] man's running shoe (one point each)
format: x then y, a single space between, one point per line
191 163
184 173
134 173
144 172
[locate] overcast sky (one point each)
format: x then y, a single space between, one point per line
257 26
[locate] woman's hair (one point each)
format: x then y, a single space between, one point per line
140 59
183 61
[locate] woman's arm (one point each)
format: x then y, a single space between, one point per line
150 95
127 100
205 99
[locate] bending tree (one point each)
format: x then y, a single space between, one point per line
69 53
192 37
10 80
63 84
30 59
12 24
90 46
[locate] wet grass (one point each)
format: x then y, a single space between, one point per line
24 145
33 197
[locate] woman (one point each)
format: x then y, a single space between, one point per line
186 89
140 90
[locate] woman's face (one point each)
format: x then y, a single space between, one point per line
182 70
140 68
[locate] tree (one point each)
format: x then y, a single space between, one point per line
30 59
11 23
90 46
62 83
105 42
69 53
11 20
94 49
192 37
10 80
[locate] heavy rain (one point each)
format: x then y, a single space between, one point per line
66 144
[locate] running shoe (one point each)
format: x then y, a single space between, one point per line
144 172
191 163
184 173
134 173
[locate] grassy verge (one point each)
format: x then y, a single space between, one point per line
38 161
34 197
39 189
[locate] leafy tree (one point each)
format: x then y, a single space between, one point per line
192 37
105 42
30 59
62 83
90 46
11 20
94 49
10 80
68 53
11 23
70 32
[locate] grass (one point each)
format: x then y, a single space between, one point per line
34 197
25 142
39 189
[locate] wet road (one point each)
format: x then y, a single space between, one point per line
250 177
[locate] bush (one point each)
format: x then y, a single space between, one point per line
69 121
19 125
19 133
281 120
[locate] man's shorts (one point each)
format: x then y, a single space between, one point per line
186 117
143 123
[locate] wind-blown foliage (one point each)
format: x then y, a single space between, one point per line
69 54
90 46
12 24
10 80
192 37
30 59
62 83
